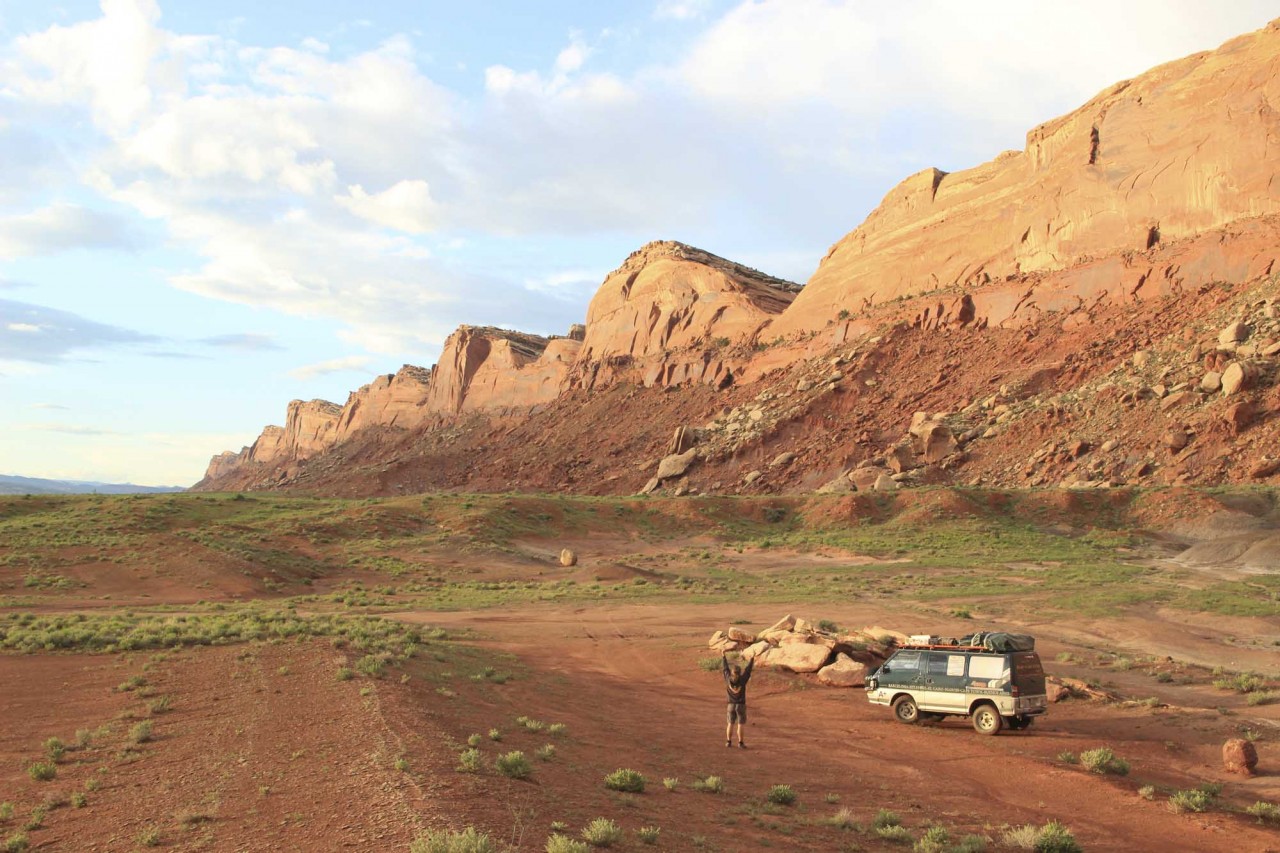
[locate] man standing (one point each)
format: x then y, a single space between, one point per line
735 684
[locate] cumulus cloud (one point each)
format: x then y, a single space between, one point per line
404 206
34 333
60 227
347 364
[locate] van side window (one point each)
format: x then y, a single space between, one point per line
986 666
944 664
905 662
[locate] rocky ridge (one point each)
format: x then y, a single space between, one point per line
1001 359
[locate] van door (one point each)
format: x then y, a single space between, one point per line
944 682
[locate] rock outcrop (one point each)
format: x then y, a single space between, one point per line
483 368
1178 151
394 400
666 299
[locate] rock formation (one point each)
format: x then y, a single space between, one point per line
393 399
1181 150
668 298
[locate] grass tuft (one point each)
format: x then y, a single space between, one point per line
624 779
514 765
602 832
1103 761
468 840
781 795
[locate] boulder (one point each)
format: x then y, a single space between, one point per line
844 671
1109 445
754 649
936 442
883 635
901 458
741 636
786 623
864 479
782 459
796 657
1238 416
1140 358
1177 398
568 557
839 486
1264 468
681 441
802 625
676 464
651 486
751 477
1176 438
885 483
1239 376
1211 382
1055 690
1239 756
1233 334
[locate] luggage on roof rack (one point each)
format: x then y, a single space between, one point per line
1001 641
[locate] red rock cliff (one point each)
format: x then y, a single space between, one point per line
1187 147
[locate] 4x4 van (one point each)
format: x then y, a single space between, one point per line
993 688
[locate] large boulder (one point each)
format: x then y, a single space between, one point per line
1233 334
755 649
936 442
797 657
901 458
839 486
676 464
1239 756
741 636
568 557
864 479
844 671
1239 376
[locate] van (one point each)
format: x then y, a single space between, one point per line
993 688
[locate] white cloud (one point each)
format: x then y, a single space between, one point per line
404 206
681 10
60 227
346 364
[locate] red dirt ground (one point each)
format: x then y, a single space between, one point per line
255 758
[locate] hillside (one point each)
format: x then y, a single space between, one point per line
1095 310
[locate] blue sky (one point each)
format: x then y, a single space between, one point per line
209 209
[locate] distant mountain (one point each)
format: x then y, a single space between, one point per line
10 485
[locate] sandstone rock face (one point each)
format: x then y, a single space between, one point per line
1120 174
1239 756
483 368
310 426
668 297
224 463
394 399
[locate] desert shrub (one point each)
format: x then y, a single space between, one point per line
36 819
1068 758
828 626
92 784
895 834
475 740
843 819
495 735
781 795
1244 682
1260 698
557 729
546 752
84 737
402 764
344 674
141 733
1164 677
969 844
648 834
16 843
43 771
1147 792
602 832
558 843
709 664
79 800
1053 837
1056 838
161 705
624 779
6 811
370 665
885 818
470 761
132 683
447 841
936 839
709 785
1265 812
671 783
54 748
1102 760
1198 799
514 765
831 798
149 837
530 724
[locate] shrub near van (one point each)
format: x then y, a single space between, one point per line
994 679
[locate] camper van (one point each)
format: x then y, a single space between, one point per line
995 679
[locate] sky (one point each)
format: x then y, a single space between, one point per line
210 209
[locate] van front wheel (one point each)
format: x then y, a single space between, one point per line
986 720
905 710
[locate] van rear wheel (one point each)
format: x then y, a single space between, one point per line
987 720
904 708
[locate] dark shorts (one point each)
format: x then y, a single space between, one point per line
737 712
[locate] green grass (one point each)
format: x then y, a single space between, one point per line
781 795
514 765
1104 761
43 771
709 785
